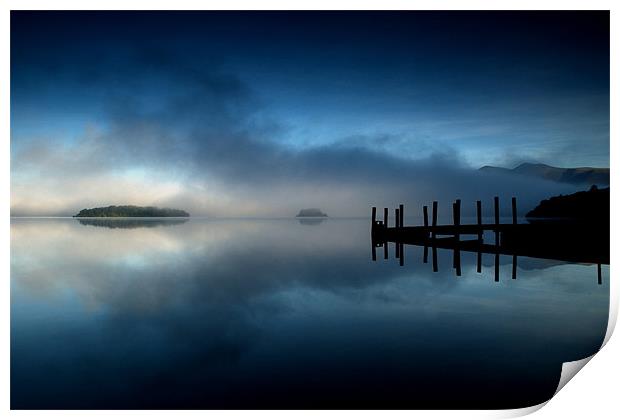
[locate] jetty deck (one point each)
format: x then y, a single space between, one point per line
568 240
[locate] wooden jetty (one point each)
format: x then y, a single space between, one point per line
571 241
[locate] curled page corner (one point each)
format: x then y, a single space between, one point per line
569 370
613 312
519 412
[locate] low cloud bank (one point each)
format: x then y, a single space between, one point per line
207 148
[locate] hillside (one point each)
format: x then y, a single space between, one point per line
575 176
591 206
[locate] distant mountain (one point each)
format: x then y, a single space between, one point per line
575 176
131 211
311 213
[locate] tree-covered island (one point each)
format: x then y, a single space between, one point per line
131 211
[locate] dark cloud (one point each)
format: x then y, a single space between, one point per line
188 121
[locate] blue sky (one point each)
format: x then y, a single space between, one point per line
178 104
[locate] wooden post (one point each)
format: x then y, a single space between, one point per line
385 250
496 267
514 267
397 250
479 263
514 210
401 212
434 218
479 218
425 259
457 256
496 205
374 216
396 218
600 276
456 215
435 267
425 211
402 254
374 252
385 217
454 258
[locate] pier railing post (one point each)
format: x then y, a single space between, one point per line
385 217
479 218
496 208
514 210
396 218
425 211
401 212
456 215
434 219
374 216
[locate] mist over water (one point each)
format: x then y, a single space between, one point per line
282 314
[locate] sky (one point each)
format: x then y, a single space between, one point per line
264 113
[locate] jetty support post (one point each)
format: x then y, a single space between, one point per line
496 208
600 275
435 266
402 254
401 212
425 211
425 258
514 210
456 215
433 234
397 222
385 217
479 218
374 216
374 252
514 267
479 263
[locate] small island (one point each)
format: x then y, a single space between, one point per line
311 213
131 211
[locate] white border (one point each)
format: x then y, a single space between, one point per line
593 394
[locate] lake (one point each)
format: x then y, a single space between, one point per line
283 313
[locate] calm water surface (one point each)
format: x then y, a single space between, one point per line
280 314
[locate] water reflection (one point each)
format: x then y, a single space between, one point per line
131 223
526 263
311 221
271 314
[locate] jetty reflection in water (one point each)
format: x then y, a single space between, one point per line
272 314
399 252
